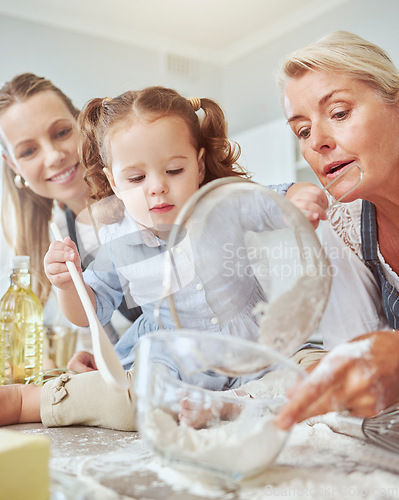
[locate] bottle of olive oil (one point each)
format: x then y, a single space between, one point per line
21 327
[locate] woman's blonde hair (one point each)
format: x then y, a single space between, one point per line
30 233
101 117
348 53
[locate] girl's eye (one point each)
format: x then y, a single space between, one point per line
64 132
137 178
175 171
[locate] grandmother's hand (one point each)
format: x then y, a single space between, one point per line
310 199
82 361
361 376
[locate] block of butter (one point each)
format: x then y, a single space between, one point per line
24 466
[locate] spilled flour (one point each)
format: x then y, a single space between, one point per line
236 448
315 463
239 448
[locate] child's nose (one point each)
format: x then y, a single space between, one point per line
159 187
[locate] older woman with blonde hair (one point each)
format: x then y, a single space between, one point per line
341 99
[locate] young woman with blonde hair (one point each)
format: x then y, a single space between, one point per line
38 139
42 179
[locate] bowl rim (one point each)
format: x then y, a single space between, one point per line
256 347
143 369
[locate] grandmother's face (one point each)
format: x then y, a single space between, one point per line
340 121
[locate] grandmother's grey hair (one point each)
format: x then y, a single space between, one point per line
347 53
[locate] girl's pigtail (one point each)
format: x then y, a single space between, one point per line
221 154
90 120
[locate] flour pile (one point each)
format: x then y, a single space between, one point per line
238 448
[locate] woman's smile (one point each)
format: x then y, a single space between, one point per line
65 176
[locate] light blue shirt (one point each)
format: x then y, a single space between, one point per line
214 288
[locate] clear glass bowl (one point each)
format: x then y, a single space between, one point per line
193 411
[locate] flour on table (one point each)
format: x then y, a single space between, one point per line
242 447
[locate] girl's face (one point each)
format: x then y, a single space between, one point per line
41 134
340 121
155 169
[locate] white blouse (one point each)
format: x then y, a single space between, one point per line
355 304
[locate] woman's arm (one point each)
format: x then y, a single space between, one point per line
361 376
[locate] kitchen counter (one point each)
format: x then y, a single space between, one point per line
100 464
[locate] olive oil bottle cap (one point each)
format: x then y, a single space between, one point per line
20 262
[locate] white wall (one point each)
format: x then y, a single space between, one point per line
86 67
249 93
267 151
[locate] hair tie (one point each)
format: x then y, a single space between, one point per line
195 103
105 100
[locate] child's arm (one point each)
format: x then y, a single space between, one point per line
310 199
57 272
19 404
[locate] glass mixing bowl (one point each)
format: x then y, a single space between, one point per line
207 402
208 395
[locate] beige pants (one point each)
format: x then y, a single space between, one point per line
85 399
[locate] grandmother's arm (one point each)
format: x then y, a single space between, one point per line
361 376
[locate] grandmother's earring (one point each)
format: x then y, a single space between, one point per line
20 183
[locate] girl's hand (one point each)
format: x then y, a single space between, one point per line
55 262
351 377
203 414
310 199
82 361
196 414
